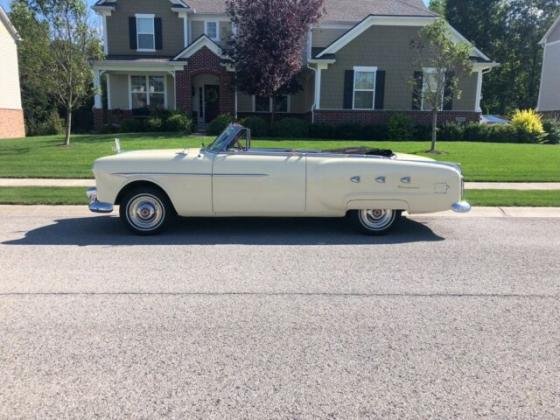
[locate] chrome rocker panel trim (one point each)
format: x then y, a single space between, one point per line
461 207
97 206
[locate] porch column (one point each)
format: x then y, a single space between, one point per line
98 103
318 70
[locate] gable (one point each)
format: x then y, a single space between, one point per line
7 25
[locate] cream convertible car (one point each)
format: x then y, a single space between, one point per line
229 178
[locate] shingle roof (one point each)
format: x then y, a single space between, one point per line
339 10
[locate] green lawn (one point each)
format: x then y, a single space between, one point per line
44 157
504 198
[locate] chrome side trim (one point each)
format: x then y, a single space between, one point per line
129 174
244 175
461 207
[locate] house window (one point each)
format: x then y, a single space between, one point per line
364 87
145 33
264 104
147 91
212 30
430 88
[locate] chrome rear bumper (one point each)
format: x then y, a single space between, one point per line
461 207
97 206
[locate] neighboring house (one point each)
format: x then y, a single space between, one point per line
11 114
358 64
549 94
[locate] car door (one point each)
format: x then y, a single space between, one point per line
258 184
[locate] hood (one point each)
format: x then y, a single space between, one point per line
404 156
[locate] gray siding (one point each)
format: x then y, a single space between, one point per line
555 34
244 102
197 29
549 98
117 27
387 48
119 94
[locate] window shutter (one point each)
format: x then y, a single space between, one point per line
417 90
448 94
348 89
132 32
158 33
380 90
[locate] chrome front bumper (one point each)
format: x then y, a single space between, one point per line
97 206
461 207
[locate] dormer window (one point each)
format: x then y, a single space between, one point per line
212 30
145 33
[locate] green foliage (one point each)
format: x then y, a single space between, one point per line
528 120
52 125
552 128
291 128
438 6
321 131
258 126
219 124
132 125
400 127
154 124
178 122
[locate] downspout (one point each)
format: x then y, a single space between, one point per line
314 106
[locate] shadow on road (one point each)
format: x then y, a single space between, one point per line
109 231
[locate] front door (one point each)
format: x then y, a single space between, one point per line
248 184
211 102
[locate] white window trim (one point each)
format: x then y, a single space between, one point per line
217 22
425 71
153 33
289 105
147 86
363 69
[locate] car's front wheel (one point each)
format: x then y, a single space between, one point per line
145 211
375 222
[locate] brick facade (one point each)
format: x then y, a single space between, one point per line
550 114
11 124
204 62
382 117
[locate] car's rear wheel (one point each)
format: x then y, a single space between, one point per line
375 222
145 211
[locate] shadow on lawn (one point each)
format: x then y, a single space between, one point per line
109 231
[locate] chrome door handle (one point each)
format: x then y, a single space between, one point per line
381 180
406 180
356 179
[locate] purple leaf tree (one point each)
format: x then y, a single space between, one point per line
267 46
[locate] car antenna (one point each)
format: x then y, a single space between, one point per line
117 147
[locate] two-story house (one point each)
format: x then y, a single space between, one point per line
549 94
358 63
11 114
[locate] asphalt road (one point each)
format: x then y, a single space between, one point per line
278 318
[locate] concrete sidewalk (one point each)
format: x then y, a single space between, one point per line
85 183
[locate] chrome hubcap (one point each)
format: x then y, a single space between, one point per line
376 219
145 212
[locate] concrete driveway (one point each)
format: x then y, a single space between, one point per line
278 318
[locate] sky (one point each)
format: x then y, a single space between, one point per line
5 3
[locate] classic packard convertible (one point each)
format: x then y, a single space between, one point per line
229 178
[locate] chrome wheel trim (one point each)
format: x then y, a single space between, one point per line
378 219
145 212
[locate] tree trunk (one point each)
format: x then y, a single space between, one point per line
68 126
434 129
272 112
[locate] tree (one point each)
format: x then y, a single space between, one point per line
447 61
438 6
267 47
34 62
73 45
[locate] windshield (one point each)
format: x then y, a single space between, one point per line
223 140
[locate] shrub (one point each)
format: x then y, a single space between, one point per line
349 131
53 124
154 124
219 124
321 131
552 128
528 121
257 125
178 122
400 127
291 128
377 132
132 125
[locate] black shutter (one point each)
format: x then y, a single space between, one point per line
132 33
348 89
157 27
380 90
448 93
417 90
